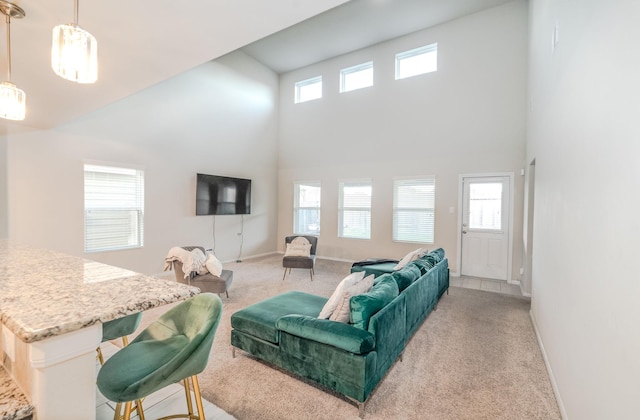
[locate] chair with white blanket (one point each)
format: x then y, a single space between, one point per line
217 281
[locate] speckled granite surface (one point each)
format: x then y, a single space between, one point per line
45 293
13 403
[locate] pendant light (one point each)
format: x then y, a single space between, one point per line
12 99
74 52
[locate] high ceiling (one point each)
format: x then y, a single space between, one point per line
143 42
355 25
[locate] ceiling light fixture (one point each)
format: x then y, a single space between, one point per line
74 52
12 99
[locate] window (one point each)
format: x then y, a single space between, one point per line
113 208
306 208
356 77
413 210
417 61
308 90
354 211
485 206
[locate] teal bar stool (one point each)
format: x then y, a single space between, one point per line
173 348
119 328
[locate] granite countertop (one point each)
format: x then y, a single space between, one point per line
45 293
13 404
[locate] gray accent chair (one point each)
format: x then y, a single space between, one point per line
300 262
205 282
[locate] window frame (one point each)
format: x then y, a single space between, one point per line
297 208
413 53
305 83
428 208
342 208
353 70
132 207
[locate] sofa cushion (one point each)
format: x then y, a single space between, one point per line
259 319
336 297
365 305
413 255
438 254
342 312
406 276
335 334
424 264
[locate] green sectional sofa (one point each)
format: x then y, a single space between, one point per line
349 358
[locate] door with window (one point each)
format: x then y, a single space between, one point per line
485 227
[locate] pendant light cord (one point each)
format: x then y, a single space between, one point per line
75 12
8 47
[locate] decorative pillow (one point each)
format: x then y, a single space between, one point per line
343 309
299 247
196 264
438 254
413 255
364 306
424 264
333 301
406 276
213 264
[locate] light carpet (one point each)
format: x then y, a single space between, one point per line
475 357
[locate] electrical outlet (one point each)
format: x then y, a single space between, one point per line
521 271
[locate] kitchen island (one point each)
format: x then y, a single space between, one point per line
52 307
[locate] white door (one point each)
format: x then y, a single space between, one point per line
485 227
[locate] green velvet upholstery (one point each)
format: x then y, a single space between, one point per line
284 330
337 334
365 305
174 347
406 275
422 264
260 320
120 327
438 254
375 269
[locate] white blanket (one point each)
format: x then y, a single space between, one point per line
191 260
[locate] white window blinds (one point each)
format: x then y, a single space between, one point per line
355 210
306 208
113 208
413 210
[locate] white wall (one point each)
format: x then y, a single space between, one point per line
4 211
584 135
219 118
468 117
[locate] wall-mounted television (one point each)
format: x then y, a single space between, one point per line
219 195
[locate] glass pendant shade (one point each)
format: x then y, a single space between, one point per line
74 54
12 102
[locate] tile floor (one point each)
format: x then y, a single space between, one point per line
497 286
169 400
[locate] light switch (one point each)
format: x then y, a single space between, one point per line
451 209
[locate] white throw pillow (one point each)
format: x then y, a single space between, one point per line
197 263
413 255
343 309
335 298
298 250
213 264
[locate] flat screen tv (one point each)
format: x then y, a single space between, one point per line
219 195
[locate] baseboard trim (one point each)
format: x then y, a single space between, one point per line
552 378
250 257
320 257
